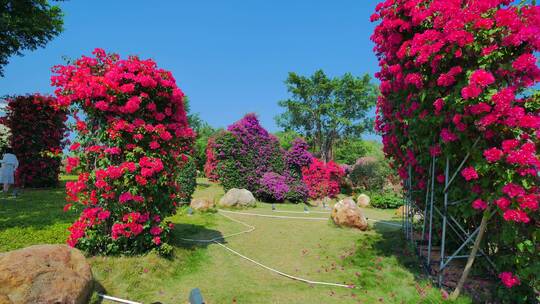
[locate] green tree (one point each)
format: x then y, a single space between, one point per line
203 131
286 138
348 150
194 119
324 109
26 25
201 142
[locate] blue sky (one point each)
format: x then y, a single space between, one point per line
230 57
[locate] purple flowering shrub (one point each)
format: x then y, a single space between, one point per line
278 188
247 156
298 156
273 186
245 153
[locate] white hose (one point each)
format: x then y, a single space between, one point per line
322 212
284 274
302 217
118 300
251 229
276 216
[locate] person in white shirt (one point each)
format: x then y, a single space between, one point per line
10 163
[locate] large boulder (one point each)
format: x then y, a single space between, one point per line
202 204
363 200
45 274
237 198
347 213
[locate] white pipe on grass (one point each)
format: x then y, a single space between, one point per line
282 211
117 300
300 217
277 216
252 228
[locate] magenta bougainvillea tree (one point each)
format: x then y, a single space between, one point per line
38 131
457 77
131 148
298 156
245 153
248 156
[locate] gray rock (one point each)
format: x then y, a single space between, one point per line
237 198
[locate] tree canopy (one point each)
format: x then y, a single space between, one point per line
324 109
26 25
286 138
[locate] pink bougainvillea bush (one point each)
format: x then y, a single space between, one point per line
322 179
457 77
38 131
131 150
211 160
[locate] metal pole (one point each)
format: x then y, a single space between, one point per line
449 224
408 204
460 165
445 211
465 233
431 210
411 213
403 213
426 207
462 246
405 209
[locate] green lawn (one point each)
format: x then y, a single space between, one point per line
377 262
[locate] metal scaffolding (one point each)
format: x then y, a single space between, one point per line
435 216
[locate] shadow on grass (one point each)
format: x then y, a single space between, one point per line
386 248
36 208
393 244
387 226
191 236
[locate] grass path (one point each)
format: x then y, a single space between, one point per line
377 262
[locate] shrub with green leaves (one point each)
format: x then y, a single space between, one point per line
385 200
370 174
187 179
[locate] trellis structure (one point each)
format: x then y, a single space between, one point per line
435 214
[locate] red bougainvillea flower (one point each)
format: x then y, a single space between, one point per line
517 216
481 78
503 203
469 173
479 204
493 154
509 279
